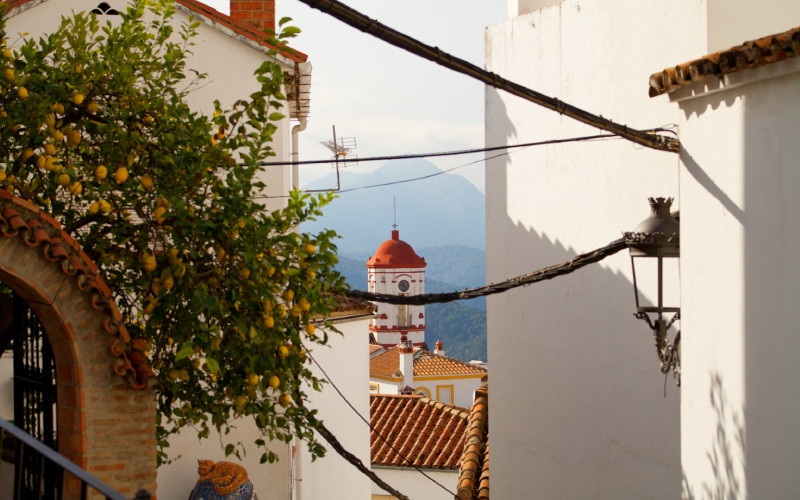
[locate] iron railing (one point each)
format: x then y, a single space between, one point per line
24 444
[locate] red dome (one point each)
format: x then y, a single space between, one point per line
395 253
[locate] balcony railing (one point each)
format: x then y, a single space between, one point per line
24 444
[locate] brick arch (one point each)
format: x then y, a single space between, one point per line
105 409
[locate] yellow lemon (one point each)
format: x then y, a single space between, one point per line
64 179
252 379
240 401
50 148
73 137
9 73
58 136
149 263
92 107
285 400
50 120
2 176
41 161
94 208
27 154
22 92
75 188
288 294
58 108
101 172
159 214
269 321
78 98
274 381
310 329
311 249
146 181
121 175
245 273
105 206
283 351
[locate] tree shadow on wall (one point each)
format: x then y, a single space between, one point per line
727 447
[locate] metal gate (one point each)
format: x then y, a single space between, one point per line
34 404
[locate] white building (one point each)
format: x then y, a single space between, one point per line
579 408
396 269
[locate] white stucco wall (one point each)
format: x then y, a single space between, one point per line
578 407
739 238
414 485
346 363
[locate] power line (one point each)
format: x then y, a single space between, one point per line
412 179
547 273
443 153
373 429
370 26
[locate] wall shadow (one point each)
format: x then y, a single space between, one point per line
575 385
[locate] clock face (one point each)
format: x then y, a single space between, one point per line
403 285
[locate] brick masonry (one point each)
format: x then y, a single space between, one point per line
106 412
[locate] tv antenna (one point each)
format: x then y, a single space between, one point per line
342 149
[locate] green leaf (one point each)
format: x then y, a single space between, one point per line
185 351
213 365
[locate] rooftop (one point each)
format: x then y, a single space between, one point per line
426 364
414 431
752 54
473 476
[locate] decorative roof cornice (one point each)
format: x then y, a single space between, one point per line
752 54
21 219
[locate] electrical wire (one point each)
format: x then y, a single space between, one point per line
373 429
585 138
372 27
443 153
547 273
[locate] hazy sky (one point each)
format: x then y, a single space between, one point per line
389 100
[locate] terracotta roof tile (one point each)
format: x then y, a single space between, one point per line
413 431
752 54
426 364
21 219
473 477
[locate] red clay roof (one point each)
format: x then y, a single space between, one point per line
752 54
395 253
473 477
413 431
426 364
20 218
212 16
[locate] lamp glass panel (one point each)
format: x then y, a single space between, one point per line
647 281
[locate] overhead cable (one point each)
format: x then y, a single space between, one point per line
443 153
371 26
388 443
547 273
440 172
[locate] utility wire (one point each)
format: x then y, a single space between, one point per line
370 26
443 153
547 273
412 179
372 428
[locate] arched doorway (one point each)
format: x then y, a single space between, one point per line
105 412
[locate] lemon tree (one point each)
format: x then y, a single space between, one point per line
95 130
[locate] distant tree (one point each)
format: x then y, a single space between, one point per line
95 130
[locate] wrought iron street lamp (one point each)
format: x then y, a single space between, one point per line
655 250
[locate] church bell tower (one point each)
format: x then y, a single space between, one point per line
396 269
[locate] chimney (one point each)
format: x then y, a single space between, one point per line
407 363
260 13
439 348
